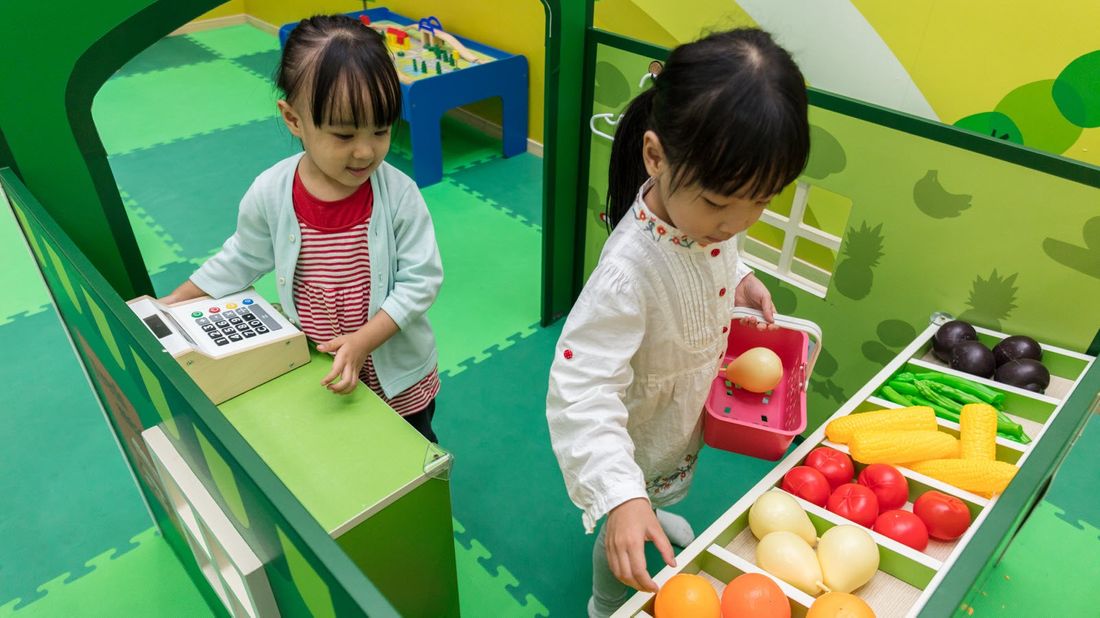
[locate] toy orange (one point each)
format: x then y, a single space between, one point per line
753 595
840 605
687 596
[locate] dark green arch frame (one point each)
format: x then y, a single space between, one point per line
62 55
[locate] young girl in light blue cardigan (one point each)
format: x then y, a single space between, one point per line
348 236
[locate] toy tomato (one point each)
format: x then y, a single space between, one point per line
946 517
890 487
854 502
836 466
807 483
904 527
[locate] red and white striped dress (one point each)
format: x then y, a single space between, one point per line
332 281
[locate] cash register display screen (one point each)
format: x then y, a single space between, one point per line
159 328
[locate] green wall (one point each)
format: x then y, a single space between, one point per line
941 220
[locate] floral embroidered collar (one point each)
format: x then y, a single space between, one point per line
659 230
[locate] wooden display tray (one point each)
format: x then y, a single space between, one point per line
907 578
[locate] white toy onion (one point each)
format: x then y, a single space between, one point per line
776 510
848 557
787 556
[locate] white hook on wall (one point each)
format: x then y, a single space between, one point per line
609 118
613 119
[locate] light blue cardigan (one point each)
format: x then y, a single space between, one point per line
405 267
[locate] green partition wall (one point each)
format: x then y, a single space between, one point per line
926 218
930 218
142 387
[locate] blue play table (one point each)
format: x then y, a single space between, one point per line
425 100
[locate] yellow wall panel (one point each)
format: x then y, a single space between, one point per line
233 7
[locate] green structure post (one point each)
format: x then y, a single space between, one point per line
60 54
567 25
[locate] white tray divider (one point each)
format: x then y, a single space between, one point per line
1008 388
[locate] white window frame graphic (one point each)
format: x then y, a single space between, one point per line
793 228
231 567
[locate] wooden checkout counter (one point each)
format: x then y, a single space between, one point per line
378 487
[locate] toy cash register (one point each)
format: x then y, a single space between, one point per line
227 345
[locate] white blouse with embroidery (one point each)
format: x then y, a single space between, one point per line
634 364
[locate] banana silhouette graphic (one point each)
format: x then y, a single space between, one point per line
933 200
1085 260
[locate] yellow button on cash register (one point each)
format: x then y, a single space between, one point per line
227 345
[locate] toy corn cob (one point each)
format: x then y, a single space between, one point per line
901 447
978 432
984 477
915 418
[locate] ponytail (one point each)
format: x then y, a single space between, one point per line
627 169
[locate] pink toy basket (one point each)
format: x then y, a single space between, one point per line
763 424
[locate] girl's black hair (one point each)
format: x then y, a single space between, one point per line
730 113
345 69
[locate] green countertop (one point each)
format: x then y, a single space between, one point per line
343 456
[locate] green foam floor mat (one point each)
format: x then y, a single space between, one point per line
158 250
236 41
139 111
25 291
171 51
68 494
1063 586
492 276
147 581
1076 484
484 592
189 191
513 184
262 63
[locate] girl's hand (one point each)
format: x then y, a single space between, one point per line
629 526
351 353
752 293
186 291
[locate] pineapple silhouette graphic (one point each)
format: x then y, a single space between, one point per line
855 275
991 300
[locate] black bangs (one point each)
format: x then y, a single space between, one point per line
741 129
345 70
740 141
355 84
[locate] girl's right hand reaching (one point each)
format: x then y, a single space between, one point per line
351 353
629 526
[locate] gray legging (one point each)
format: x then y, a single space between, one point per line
608 593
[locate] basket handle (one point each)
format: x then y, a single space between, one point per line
806 326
